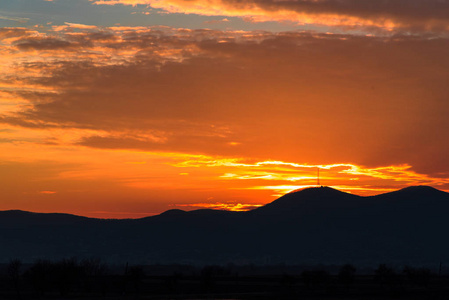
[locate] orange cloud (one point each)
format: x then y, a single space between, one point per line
306 174
48 192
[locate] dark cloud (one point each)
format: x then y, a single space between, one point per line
404 11
47 43
415 15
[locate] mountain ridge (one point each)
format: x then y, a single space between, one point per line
315 192
320 225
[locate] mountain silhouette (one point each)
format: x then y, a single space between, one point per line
313 225
308 200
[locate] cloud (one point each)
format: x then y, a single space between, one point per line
80 26
187 141
216 21
47 43
15 19
421 15
48 192
281 171
290 96
8 33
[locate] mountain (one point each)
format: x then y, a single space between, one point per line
309 200
313 225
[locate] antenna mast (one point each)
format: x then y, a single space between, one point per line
318 176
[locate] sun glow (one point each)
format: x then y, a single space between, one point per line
221 206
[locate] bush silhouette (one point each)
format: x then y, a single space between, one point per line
136 275
346 274
418 276
385 275
315 279
68 274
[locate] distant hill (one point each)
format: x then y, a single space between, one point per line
313 225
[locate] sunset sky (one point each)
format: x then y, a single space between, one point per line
128 108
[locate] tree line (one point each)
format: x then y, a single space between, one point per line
70 276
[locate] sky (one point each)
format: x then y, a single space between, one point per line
128 108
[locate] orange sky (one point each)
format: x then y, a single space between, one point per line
129 121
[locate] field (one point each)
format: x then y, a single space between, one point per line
69 279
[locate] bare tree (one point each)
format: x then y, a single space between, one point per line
346 274
13 270
40 274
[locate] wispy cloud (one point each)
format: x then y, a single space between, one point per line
15 19
216 21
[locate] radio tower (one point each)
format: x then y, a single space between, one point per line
318 176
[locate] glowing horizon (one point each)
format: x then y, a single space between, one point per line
227 206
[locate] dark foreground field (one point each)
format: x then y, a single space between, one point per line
90 279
